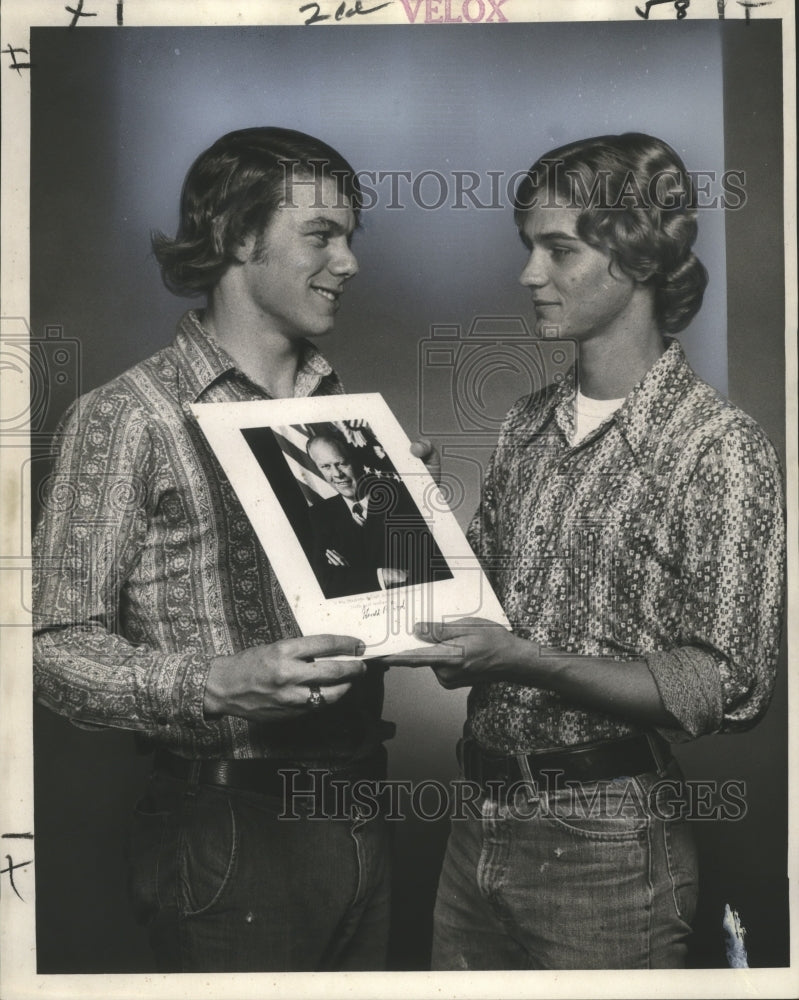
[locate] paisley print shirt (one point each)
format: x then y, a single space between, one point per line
146 567
659 536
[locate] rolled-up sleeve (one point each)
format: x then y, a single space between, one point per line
721 677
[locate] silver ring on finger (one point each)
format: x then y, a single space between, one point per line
315 699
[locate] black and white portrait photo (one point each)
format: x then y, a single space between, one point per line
347 514
354 515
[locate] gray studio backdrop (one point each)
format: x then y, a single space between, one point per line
117 117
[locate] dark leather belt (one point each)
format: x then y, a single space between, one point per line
265 775
586 762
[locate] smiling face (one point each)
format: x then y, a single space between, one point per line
294 275
578 290
337 468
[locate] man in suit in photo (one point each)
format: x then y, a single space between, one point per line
370 536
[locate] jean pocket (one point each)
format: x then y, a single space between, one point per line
602 811
208 852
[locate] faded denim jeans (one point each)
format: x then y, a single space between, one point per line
592 877
224 885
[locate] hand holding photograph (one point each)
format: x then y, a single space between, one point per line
358 533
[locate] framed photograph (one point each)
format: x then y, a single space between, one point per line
359 535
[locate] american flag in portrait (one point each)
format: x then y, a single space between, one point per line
293 438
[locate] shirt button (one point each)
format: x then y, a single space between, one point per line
519 586
539 529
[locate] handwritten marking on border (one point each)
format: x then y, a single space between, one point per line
681 7
78 13
342 11
12 867
18 66
748 5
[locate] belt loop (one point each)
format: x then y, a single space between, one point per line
527 775
193 780
656 746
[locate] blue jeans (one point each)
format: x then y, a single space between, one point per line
224 885
585 878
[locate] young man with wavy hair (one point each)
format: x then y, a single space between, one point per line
157 611
631 523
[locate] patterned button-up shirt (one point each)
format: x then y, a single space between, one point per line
146 567
659 536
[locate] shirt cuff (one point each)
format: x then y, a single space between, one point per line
689 684
180 689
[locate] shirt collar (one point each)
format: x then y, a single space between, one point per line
647 407
363 501
205 361
651 403
562 403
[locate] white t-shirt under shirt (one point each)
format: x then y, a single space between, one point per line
590 413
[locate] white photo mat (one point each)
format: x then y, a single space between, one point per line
382 619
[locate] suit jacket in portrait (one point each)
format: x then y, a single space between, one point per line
394 536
